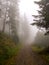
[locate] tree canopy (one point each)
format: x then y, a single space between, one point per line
42 20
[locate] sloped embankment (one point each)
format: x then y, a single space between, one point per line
8 49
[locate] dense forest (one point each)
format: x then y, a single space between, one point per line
17 46
9 39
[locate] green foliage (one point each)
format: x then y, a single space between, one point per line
45 53
42 51
42 20
7 48
37 48
46 57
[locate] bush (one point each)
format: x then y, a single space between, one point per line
7 48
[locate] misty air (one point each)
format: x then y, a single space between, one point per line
24 32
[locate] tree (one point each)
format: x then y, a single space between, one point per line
42 20
9 16
5 16
12 22
4 5
0 8
13 15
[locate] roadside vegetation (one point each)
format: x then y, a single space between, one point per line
8 49
42 51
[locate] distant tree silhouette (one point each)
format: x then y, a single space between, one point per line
9 16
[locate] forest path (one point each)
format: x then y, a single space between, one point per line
27 57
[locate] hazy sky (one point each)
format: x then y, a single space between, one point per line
28 7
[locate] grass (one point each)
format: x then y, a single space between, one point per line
41 51
37 49
46 57
7 54
8 49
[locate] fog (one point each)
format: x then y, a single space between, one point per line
19 11
21 43
26 10
41 39
27 33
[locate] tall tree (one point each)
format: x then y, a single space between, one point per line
42 20
9 15
13 19
4 12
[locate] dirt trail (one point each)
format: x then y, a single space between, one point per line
28 57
